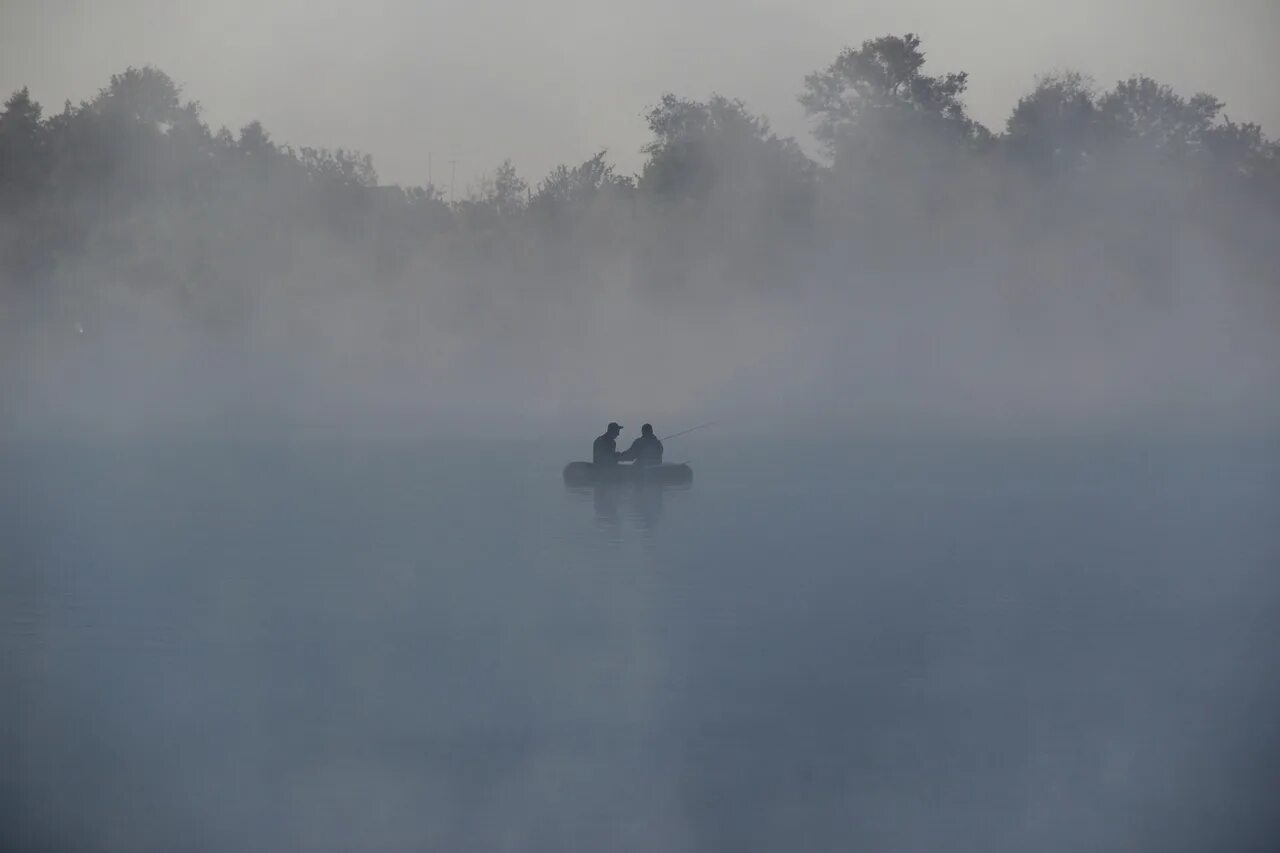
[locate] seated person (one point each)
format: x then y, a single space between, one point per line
604 451
645 450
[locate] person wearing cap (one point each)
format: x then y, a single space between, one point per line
645 450
604 451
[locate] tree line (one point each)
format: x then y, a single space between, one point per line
132 191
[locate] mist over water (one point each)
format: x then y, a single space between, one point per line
980 554
1107 262
1051 646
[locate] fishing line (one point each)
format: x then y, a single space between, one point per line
689 430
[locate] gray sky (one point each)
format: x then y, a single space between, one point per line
550 82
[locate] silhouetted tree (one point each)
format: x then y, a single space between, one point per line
130 190
146 96
254 140
718 145
1142 112
1055 127
688 136
507 192
338 167
876 97
23 148
499 200
570 190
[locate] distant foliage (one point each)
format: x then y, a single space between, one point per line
703 148
875 98
132 191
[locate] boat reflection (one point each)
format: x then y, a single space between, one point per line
616 503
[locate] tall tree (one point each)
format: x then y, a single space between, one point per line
1142 112
877 96
701 147
23 148
572 189
1055 127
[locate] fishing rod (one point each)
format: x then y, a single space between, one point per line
689 430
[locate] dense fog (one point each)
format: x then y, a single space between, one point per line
1106 259
980 553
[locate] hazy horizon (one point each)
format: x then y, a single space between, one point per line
980 554
556 82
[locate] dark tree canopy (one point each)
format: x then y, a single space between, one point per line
700 147
133 190
570 190
877 95
23 147
1056 125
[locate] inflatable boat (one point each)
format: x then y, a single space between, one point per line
587 474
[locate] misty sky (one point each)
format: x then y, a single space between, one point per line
555 81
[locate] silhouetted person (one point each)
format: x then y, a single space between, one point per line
645 450
604 451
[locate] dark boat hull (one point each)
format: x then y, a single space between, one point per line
587 474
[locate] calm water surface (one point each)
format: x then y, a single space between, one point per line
381 646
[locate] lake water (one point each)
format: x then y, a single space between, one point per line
911 646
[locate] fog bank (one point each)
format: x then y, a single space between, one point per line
1107 261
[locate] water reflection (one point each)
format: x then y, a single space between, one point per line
618 503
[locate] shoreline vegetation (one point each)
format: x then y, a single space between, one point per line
1110 250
